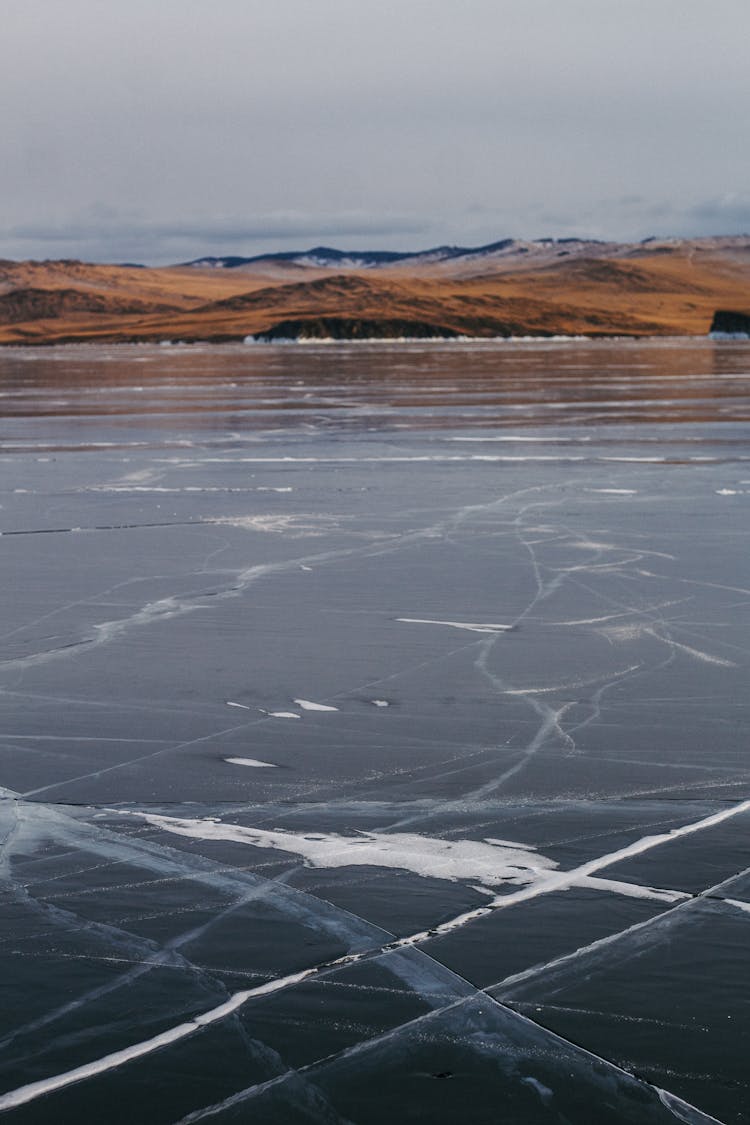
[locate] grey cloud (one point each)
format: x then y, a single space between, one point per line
730 211
109 236
245 124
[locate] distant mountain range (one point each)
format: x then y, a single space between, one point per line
545 287
328 257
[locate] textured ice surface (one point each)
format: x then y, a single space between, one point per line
373 733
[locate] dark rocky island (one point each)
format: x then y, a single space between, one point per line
733 323
354 328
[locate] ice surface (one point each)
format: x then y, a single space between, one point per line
352 773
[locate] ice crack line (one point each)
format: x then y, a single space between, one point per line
173 606
682 1110
546 884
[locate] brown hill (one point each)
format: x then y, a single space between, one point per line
667 288
22 305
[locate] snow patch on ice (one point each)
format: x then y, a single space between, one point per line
250 762
308 705
488 862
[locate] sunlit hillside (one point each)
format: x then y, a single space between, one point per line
668 287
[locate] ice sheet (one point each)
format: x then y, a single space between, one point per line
373 732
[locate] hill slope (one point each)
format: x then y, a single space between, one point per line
567 287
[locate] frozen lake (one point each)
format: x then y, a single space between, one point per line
374 734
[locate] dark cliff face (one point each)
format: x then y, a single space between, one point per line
732 322
354 328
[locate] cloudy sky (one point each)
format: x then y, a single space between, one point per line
160 130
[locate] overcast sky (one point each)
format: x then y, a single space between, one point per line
161 130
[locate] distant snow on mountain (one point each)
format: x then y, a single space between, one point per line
322 257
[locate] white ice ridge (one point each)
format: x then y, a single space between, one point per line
307 705
34 1090
472 626
578 876
634 890
684 1111
554 881
161 488
489 862
250 762
557 440
446 457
